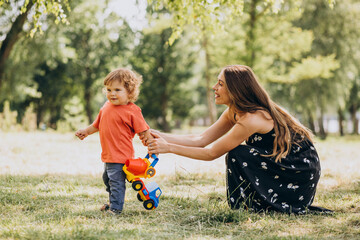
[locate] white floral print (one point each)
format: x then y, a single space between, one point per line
292 186
263 165
306 161
284 205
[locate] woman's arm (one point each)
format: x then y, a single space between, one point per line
246 125
215 131
235 137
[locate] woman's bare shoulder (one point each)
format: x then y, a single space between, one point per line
259 121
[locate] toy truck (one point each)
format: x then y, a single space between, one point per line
150 194
139 168
142 168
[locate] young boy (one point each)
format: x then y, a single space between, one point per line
117 122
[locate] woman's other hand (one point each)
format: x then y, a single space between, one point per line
144 139
158 144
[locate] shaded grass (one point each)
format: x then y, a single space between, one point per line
193 206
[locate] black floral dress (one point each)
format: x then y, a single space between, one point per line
258 182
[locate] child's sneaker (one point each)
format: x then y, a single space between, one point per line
114 211
105 207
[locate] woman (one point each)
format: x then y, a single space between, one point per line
278 168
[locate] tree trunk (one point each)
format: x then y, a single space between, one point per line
164 96
39 112
251 33
55 116
341 121
311 122
11 38
164 125
354 120
322 132
88 95
209 92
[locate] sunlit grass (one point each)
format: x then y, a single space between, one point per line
64 203
67 207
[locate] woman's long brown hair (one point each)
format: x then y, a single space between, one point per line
247 95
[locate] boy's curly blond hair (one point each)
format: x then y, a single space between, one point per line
129 78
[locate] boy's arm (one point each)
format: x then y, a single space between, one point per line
83 133
145 136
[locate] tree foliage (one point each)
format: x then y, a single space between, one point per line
212 14
166 70
336 33
40 8
67 60
99 46
36 9
304 51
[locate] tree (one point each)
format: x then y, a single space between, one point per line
38 69
211 13
99 47
276 50
50 68
336 31
165 93
40 8
208 75
56 88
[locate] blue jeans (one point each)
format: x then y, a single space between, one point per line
114 179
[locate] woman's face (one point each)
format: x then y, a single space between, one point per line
221 92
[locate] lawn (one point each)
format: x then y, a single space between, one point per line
51 188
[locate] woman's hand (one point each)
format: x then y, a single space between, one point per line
158 144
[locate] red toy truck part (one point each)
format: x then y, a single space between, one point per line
140 168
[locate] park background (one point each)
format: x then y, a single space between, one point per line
55 54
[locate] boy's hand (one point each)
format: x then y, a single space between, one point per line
145 137
81 134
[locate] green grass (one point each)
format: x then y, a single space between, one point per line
67 207
39 201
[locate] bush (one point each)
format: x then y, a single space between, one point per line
8 119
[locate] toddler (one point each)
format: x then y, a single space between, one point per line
117 122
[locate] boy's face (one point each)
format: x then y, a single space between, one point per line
116 93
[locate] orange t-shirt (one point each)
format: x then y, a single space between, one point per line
117 126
